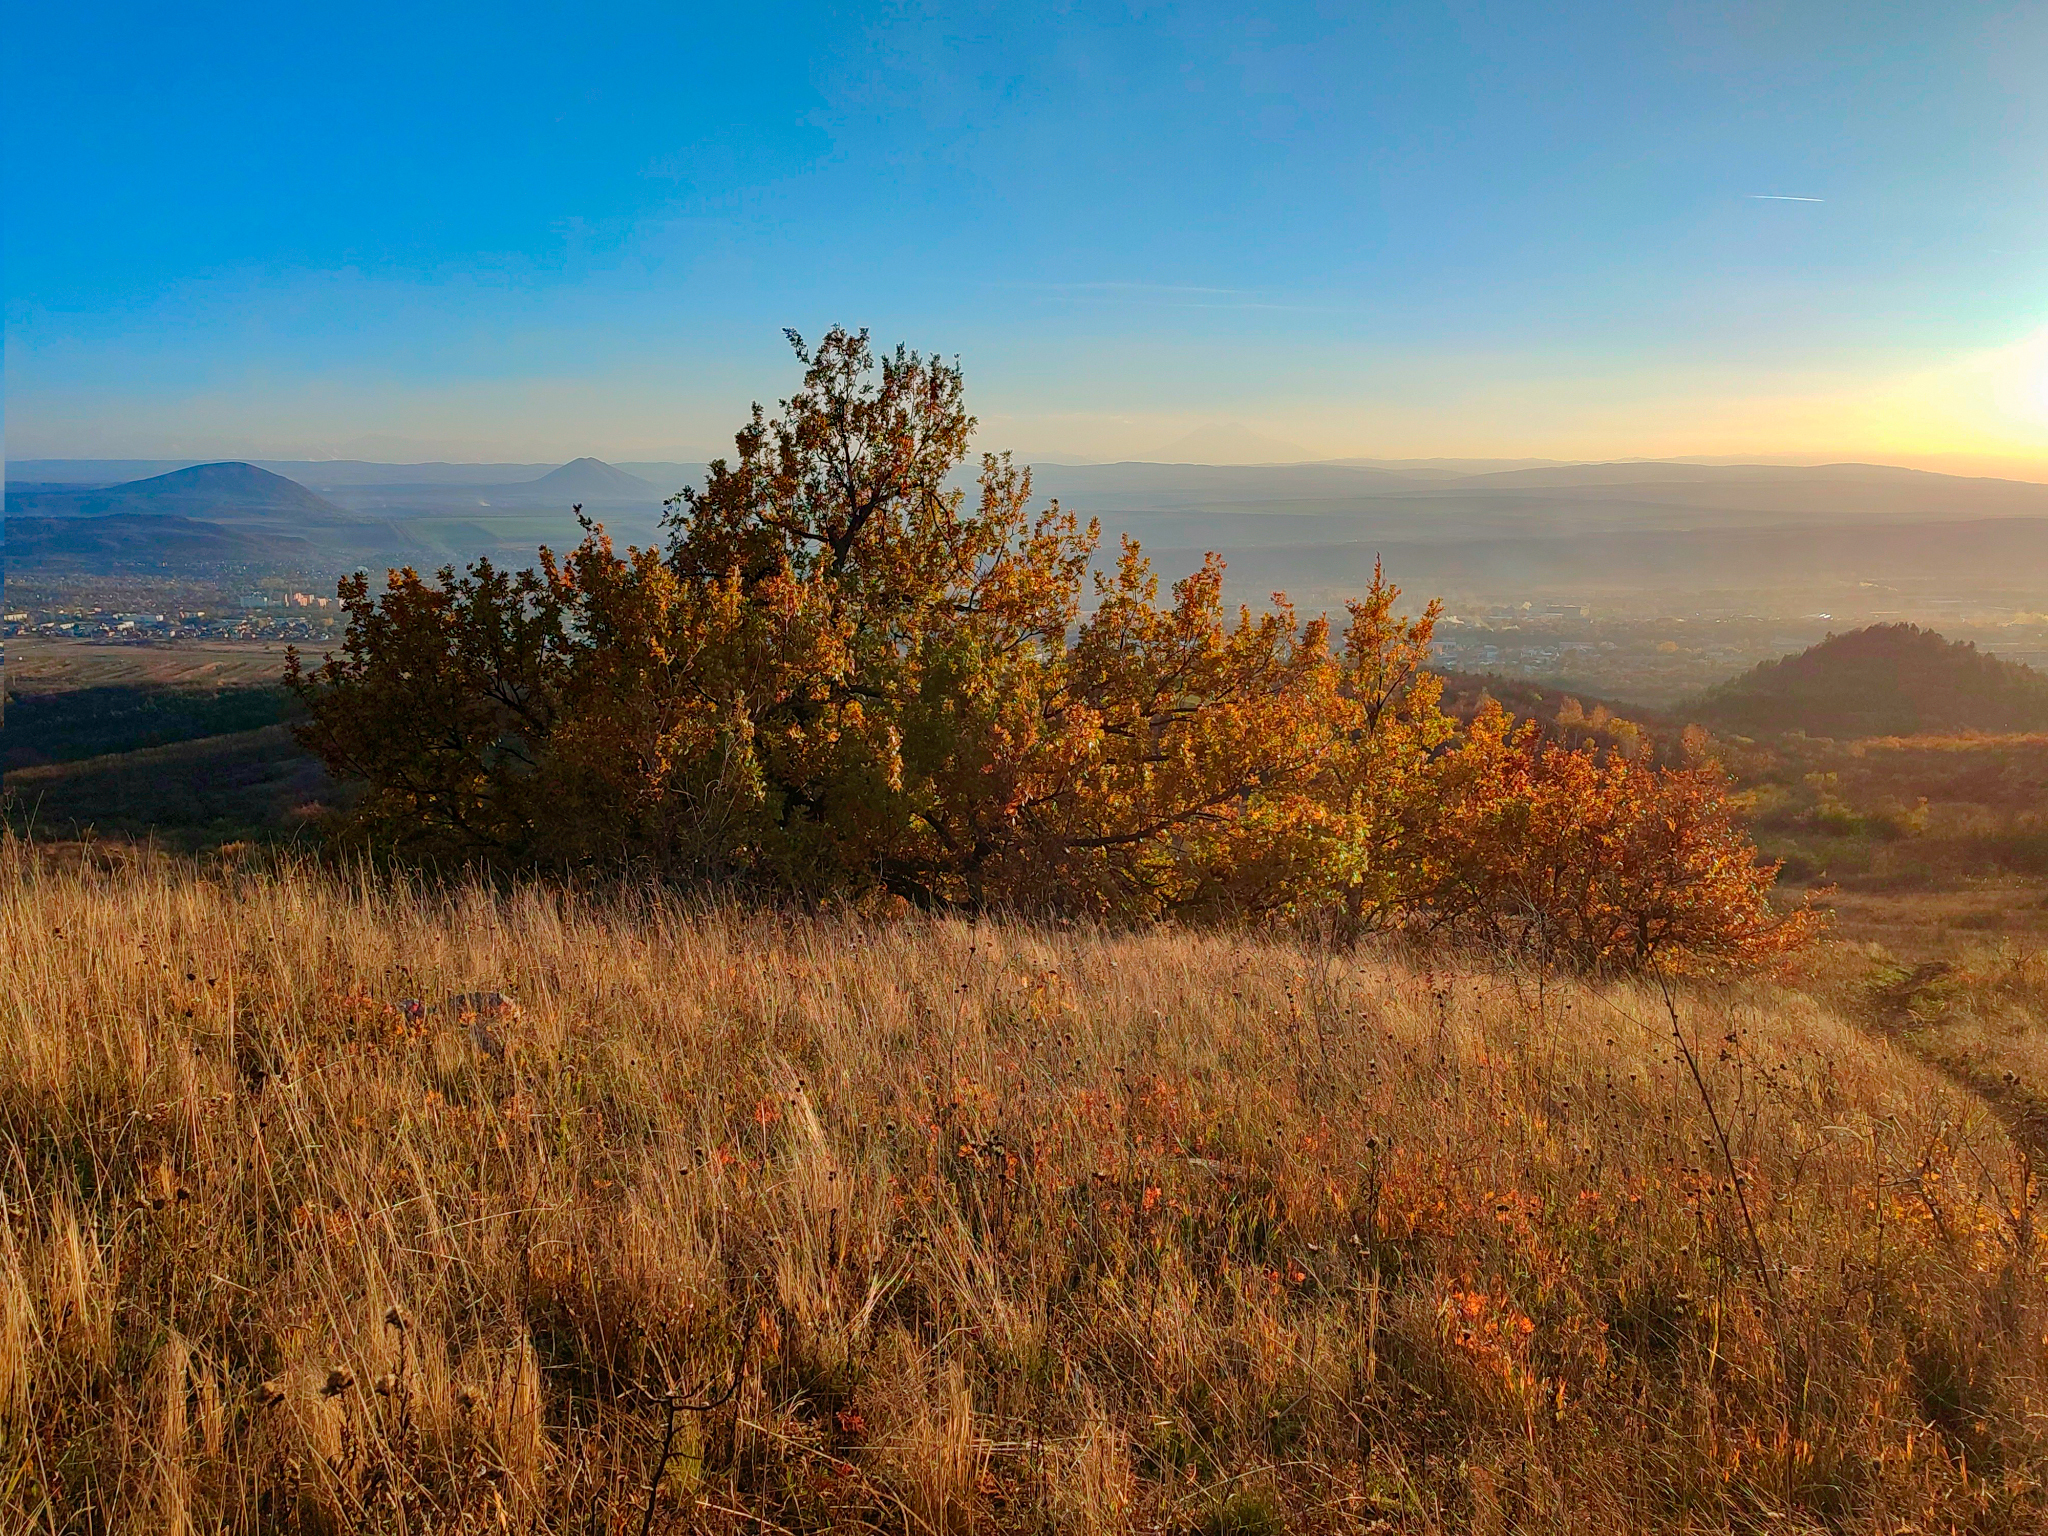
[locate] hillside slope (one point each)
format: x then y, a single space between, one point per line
962 1228
142 538
204 490
1887 680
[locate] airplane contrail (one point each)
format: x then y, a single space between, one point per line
1779 197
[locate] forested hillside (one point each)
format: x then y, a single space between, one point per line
1887 680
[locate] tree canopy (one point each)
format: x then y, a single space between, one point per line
845 673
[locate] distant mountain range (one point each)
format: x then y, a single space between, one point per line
1542 500
327 476
206 514
593 479
242 514
1584 531
1595 532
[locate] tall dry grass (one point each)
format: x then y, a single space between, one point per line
1981 1015
1031 1230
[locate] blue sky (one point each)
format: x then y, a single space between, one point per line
529 231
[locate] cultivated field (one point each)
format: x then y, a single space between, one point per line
949 1227
37 665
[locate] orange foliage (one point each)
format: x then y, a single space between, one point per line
840 675
1602 862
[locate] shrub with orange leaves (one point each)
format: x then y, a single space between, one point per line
840 677
1600 862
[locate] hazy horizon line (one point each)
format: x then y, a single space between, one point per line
1968 466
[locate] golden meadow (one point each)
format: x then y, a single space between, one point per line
949 1227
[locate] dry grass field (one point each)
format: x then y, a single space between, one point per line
948 1228
38 665
1917 926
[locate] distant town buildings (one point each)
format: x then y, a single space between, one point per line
241 620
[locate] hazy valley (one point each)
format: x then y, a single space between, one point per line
1639 580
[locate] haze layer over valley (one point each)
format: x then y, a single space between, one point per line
1636 579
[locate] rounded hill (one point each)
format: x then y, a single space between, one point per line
230 484
1887 680
593 479
238 491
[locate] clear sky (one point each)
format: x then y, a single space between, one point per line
519 231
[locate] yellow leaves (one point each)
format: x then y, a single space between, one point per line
840 674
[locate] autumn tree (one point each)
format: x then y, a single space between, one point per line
1374 785
1598 861
840 672
441 709
848 670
